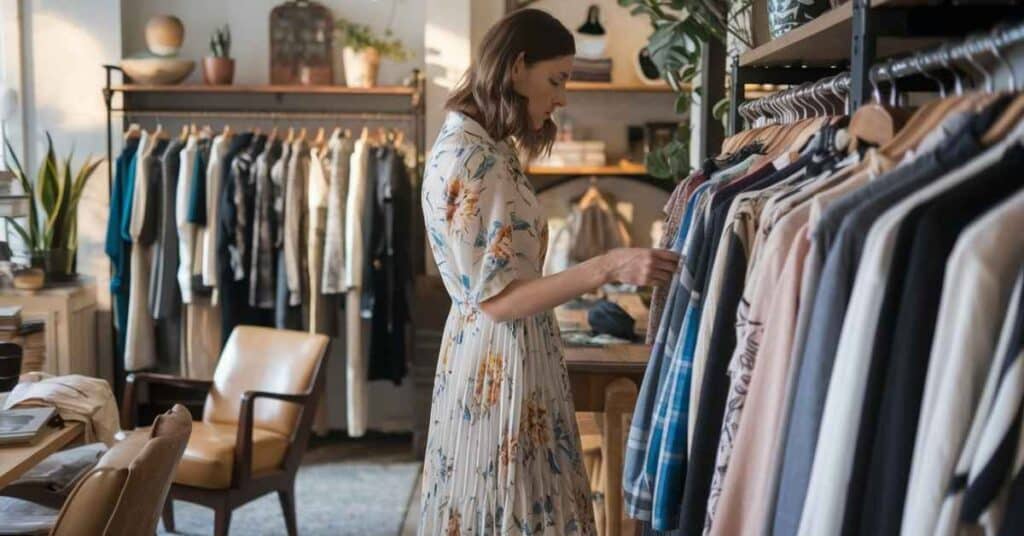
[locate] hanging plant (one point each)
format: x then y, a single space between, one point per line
680 28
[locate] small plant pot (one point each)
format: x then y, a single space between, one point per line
218 71
361 67
58 265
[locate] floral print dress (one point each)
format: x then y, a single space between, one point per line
503 452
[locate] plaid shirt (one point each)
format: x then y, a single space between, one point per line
640 468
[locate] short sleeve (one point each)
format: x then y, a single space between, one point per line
488 241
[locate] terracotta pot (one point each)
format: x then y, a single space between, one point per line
315 75
361 67
164 35
218 71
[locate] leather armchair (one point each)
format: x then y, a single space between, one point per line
256 422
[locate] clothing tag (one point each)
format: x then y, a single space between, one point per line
781 161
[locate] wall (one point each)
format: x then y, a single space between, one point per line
54 64
250 19
598 115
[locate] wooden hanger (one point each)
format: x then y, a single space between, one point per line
347 133
302 134
319 140
227 133
399 138
1007 122
159 133
365 134
193 130
273 134
134 131
184 133
290 136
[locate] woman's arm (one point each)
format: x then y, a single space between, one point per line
638 266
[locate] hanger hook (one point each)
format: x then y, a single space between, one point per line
892 82
945 59
915 62
873 78
993 42
971 60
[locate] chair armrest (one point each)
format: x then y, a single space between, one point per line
242 470
129 407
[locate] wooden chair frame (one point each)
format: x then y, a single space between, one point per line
244 485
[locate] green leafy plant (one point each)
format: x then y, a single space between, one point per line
52 222
361 36
680 30
220 42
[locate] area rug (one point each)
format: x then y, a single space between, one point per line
336 494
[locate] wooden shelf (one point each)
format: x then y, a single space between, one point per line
825 41
622 169
619 88
267 89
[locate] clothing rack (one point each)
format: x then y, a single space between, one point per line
874 30
340 107
783 104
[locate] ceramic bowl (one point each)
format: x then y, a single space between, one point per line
156 70
591 47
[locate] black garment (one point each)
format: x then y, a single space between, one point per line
164 294
285 316
1013 523
864 508
234 303
987 484
151 210
607 317
714 392
197 205
390 279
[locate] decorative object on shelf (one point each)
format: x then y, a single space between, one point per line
29 279
646 69
591 39
362 50
219 69
156 70
300 39
51 231
164 35
784 15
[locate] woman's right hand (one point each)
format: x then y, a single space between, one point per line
640 266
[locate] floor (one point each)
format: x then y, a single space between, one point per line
365 487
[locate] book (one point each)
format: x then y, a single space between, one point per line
23 425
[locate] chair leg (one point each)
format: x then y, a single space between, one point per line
168 515
287 497
221 519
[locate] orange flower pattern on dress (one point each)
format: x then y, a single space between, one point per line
488 381
503 453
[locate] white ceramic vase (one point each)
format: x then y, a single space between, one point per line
361 67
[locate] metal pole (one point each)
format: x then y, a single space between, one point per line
736 96
862 53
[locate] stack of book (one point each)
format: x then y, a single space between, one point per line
13 202
591 70
10 318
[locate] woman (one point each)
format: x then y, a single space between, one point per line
503 452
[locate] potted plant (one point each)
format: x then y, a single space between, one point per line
679 31
362 50
51 230
219 69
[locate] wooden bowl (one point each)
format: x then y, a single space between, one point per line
29 279
156 70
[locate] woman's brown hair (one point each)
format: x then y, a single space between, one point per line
485 92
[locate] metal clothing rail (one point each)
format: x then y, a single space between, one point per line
787 103
415 115
270 115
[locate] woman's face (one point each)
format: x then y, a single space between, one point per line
543 85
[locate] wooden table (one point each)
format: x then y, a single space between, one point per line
605 380
18 458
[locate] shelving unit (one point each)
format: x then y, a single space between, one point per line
261 89
613 87
621 169
853 36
